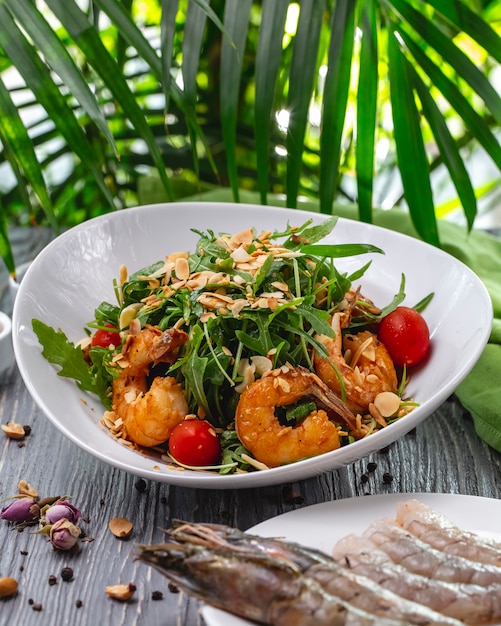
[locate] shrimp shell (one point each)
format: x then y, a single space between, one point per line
258 587
471 604
360 592
439 532
419 557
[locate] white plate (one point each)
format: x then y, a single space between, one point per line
74 273
321 526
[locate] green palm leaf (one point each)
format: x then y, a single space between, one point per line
87 39
5 247
38 79
367 108
475 122
411 152
236 23
302 75
167 31
448 149
337 84
454 56
58 57
463 18
268 57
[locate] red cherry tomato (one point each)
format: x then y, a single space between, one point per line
105 338
406 336
195 442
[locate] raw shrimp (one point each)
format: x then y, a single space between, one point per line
149 412
471 604
256 586
261 432
419 557
359 591
441 533
368 371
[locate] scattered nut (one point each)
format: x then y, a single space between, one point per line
26 489
387 403
120 527
121 592
8 587
13 431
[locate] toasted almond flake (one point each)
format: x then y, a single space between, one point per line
84 343
182 268
244 237
376 414
172 258
362 348
123 274
178 284
387 403
248 377
238 306
13 431
283 384
254 462
280 286
205 317
240 255
120 527
238 280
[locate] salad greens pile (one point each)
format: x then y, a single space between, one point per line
238 301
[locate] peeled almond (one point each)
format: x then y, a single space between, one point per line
387 403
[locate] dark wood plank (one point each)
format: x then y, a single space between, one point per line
441 455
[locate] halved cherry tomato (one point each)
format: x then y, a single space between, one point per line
105 338
195 442
406 336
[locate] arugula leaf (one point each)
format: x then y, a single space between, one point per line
57 349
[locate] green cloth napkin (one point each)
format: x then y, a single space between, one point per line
480 392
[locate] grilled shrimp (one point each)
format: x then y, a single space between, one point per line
257 586
471 604
149 412
273 444
433 528
365 367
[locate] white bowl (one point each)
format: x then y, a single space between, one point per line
6 349
74 273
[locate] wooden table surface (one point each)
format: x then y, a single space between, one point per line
442 455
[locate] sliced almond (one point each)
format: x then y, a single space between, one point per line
120 527
182 268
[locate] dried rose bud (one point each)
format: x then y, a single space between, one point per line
61 509
21 510
64 534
